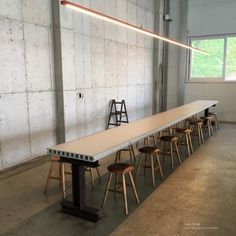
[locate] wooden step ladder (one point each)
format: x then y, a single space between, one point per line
118 114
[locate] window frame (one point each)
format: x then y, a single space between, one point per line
208 79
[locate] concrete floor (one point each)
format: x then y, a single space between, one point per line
197 198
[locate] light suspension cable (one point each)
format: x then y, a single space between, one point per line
122 23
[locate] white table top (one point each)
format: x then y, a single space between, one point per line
94 147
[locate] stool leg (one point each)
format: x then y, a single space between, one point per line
131 155
159 164
48 178
145 162
187 143
138 166
115 184
152 170
190 142
60 174
63 180
217 123
133 187
125 194
208 128
161 150
154 140
117 156
211 128
171 154
98 173
201 134
91 177
107 189
177 152
146 142
132 151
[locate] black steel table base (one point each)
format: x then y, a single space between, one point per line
78 206
87 213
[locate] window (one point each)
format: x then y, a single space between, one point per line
219 65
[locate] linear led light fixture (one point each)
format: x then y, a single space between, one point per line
122 23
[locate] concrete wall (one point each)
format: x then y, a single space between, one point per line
26 91
99 60
102 61
174 55
204 17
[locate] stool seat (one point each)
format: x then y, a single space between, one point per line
196 127
149 150
55 158
120 168
215 119
195 122
207 122
168 138
184 138
153 154
172 141
183 130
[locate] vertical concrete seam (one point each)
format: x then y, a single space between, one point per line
58 76
51 60
26 79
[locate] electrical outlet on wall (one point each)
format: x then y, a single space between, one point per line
80 95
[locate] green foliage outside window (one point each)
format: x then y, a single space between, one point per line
210 66
230 72
221 61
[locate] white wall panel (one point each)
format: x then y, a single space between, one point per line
70 115
98 65
41 112
79 60
110 63
11 9
89 114
37 50
14 126
37 11
12 70
131 20
122 64
140 102
122 13
132 65
211 18
87 62
99 109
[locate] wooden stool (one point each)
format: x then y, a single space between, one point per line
207 122
188 141
90 170
117 169
215 119
196 127
146 141
60 176
132 157
151 152
62 173
171 140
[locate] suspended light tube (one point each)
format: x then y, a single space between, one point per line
122 23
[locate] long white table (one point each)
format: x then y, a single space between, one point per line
88 150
